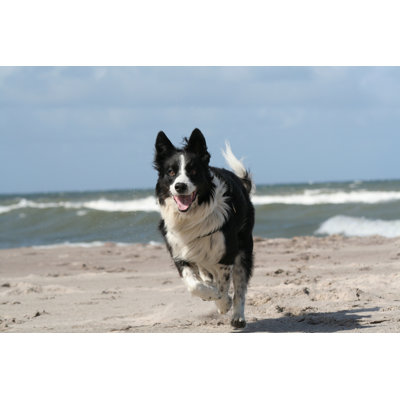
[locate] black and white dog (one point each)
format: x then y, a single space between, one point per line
207 220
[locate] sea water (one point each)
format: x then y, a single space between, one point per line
131 216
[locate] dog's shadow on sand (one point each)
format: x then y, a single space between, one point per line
328 322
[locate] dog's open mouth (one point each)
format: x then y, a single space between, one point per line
185 201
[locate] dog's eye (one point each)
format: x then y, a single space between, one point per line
171 172
193 172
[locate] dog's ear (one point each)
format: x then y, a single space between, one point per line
197 145
164 147
163 144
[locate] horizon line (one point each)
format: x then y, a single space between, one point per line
152 188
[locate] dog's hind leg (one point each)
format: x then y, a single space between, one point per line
198 288
240 275
223 282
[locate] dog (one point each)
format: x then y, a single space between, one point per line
207 220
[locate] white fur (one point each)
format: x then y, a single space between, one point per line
182 178
197 243
201 220
237 165
184 231
198 288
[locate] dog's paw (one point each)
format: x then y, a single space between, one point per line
224 305
206 292
238 323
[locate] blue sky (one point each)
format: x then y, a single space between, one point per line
88 128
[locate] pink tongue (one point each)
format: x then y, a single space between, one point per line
183 202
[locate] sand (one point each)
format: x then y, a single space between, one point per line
304 284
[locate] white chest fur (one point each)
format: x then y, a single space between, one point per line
204 252
184 230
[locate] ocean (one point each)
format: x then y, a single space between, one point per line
127 216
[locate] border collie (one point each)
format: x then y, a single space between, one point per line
207 220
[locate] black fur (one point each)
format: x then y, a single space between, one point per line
167 157
238 225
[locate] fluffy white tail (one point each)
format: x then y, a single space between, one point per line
238 168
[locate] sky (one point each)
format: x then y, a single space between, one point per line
94 128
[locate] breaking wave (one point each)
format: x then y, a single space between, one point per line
147 204
353 226
314 197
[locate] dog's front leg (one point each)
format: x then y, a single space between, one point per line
198 288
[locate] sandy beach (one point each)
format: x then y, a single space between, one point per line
304 284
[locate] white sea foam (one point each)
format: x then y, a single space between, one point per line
24 203
81 213
79 244
149 203
352 226
146 204
313 197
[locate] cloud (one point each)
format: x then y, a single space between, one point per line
279 117
178 86
5 72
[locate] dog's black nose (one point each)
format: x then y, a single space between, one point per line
180 187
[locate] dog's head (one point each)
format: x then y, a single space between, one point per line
183 173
